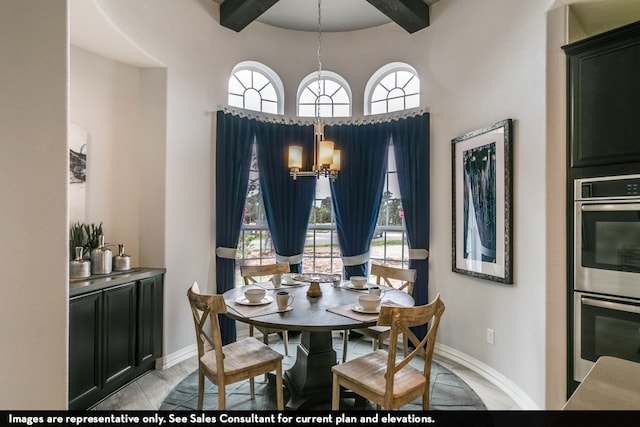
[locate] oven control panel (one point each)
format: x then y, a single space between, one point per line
610 187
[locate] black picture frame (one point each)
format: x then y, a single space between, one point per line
482 196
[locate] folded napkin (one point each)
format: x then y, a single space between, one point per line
264 285
346 311
252 310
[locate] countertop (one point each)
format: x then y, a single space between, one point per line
98 282
612 384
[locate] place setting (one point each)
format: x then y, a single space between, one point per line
253 302
366 307
361 283
277 281
289 280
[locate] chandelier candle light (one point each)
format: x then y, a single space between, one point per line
326 159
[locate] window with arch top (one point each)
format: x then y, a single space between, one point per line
394 87
333 95
254 86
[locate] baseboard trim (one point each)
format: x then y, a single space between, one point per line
494 377
174 358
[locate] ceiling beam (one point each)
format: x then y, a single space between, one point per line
412 15
237 14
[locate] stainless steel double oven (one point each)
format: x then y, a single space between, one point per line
606 270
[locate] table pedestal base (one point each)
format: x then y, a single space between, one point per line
310 378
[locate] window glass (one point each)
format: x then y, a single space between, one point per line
379 94
254 86
252 100
333 96
403 78
395 104
394 87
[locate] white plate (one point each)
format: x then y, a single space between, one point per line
244 301
358 309
351 286
293 283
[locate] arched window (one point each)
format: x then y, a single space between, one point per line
254 86
394 87
333 95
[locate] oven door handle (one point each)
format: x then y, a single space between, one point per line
611 305
608 207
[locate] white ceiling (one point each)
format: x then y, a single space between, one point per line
92 30
346 15
337 15
598 17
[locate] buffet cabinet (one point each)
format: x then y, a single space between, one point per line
115 333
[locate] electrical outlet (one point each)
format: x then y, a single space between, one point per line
490 336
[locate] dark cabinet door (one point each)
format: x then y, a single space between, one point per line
603 98
119 314
84 349
149 293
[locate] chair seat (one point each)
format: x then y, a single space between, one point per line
242 357
366 375
383 377
374 331
227 364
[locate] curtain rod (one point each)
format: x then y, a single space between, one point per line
331 121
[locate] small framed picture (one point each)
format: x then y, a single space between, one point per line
482 169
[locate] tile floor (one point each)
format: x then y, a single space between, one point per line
149 391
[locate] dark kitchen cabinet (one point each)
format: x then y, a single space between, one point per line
115 334
84 348
603 129
119 333
149 314
604 101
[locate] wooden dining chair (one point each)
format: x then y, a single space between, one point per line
237 361
252 274
378 376
393 277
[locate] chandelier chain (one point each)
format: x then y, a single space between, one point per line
319 58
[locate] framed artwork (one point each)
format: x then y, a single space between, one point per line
78 145
482 187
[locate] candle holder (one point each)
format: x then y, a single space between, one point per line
314 279
314 290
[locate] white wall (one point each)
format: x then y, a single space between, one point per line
105 100
487 64
33 204
479 63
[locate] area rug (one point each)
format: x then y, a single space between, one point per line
448 392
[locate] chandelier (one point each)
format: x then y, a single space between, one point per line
326 159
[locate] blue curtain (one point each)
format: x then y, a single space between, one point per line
234 136
287 202
411 148
357 192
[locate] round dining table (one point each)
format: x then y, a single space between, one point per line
310 377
